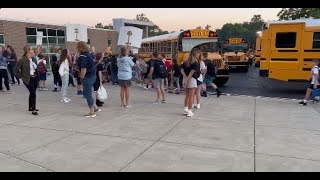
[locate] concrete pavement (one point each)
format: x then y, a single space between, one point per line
230 133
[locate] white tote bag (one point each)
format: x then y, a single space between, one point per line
102 94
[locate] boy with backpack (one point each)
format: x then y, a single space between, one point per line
42 71
210 76
158 72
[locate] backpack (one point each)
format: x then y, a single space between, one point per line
41 67
211 69
160 69
197 72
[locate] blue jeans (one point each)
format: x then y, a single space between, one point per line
87 83
11 69
114 75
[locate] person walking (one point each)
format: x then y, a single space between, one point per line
125 65
88 77
12 60
26 69
64 70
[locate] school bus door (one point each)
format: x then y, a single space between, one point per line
285 50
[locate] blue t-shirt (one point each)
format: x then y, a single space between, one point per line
125 65
85 60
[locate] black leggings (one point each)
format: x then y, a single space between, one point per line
57 79
32 87
4 75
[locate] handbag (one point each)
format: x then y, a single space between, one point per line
102 94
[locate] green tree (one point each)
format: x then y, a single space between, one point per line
296 13
199 27
207 26
101 26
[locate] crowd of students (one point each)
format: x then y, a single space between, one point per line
91 70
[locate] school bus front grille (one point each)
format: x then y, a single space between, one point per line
217 63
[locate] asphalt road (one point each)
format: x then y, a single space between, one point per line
252 85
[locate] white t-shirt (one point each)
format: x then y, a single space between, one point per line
44 61
202 67
33 67
314 71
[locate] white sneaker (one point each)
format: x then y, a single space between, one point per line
9 92
197 106
64 101
186 110
69 100
190 114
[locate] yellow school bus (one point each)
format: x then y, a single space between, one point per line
177 45
288 48
236 52
258 49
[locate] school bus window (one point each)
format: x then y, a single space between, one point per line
316 40
286 40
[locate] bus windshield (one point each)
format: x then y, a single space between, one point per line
235 47
205 45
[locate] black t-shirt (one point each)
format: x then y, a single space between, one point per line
149 66
156 62
187 69
99 68
177 70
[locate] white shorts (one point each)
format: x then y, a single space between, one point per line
192 83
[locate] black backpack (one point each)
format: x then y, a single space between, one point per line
160 70
197 72
211 69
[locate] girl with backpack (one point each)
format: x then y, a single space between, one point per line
42 70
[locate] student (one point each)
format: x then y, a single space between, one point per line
189 72
26 69
175 75
99 79
64 70
4 74
201 68
87 74
42 71
158 72
55 71
314 79
209 77
12 60
166 82
125 65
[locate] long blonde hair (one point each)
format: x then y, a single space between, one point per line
192 57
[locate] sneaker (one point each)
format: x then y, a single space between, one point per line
218 93
80 93
40 89
64 101
33 109
163 101
127 106
186 110
303 103
45 89
157 102
190 113
90 115
97 110
145 88
55 90
197 106
69 100
35 113
9 92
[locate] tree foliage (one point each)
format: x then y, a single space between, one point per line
296 13
101 26
246 30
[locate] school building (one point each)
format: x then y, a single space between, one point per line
21 33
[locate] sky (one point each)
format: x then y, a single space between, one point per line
170 19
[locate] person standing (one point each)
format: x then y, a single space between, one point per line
55 71
99 79
125 65
114 70
210 75
88 77
4 74
158 72
26 69
202 69
42 70
166 81
175 75
11 57
64 69
190 75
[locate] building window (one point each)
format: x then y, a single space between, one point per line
109 42
316 40
31 31
31 39
286 40
60 33
52 32
1 40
